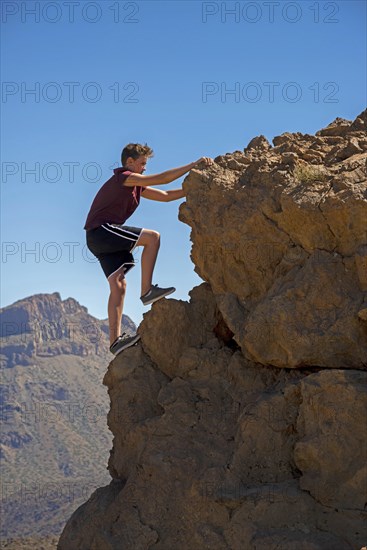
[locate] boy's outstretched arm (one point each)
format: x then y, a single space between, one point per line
174 194
161 195
164 177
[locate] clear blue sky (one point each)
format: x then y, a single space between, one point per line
180 59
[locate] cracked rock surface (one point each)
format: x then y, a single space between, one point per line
239 418
281 232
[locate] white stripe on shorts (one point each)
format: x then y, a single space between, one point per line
121 234
137 240
119 228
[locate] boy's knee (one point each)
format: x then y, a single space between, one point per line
148 237
117 283
153 234
154 237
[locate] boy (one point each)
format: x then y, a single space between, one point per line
112 242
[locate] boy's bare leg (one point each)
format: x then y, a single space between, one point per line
151 241
117 283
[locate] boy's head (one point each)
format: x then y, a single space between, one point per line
135 156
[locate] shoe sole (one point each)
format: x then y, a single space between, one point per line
136 339
158 298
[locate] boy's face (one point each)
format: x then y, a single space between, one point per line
137 165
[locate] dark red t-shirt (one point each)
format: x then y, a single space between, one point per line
114 202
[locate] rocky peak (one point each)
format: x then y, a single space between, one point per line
44 324
239 418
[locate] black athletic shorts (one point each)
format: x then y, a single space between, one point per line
112 244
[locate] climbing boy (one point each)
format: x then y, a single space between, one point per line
112 242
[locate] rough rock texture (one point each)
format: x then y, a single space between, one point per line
280 235
239 419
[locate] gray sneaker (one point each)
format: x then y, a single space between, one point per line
122 342
155 293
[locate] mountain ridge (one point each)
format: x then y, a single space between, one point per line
44 324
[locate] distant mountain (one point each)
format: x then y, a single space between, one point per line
44 325
54 437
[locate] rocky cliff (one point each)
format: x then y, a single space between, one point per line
239 419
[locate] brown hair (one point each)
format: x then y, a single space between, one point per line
135 150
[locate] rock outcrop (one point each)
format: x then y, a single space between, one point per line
239 419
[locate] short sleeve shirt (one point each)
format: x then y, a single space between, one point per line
114 202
